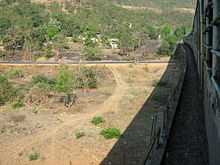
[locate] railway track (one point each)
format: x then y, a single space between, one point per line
187 144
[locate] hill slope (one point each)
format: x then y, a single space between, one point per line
44 26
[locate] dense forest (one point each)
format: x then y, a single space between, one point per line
28 26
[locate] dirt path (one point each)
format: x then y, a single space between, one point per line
130 7
157 10
111 104
54 142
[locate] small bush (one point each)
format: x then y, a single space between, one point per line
91 53
110 133
166 31
79 134
15 73
64 80
45 87
37 96
97 120
180 32
34 156
42 79
152 32
85 78
7 91
172 40
164 49
169 39
43 82
17 104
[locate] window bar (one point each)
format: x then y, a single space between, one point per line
216 41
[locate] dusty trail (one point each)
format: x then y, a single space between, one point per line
157 10
111 104
52 141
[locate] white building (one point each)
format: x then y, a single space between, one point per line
114 43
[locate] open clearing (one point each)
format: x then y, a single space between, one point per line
157 10
47 132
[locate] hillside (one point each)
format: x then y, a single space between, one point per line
158 3
50 27
149 3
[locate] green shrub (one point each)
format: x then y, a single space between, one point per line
172 39
52 31
97 120
43 82
110 133
5 24
91 53
64 80
169 39
164 49
79 134
34 156
180 32
45 87
166 31
42 79
49 52
17 104
152 32
7 91
15 73
41 23
85 78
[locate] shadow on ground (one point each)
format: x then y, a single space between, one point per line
132 147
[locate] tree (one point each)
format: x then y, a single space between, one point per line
90 48
64 80
172 39
180 32
39 37
127 41
14 40
85 78
152 32
166 31
164 49
91 53
5 24
7 92
52 31
89 35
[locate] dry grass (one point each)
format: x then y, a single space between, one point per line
122 91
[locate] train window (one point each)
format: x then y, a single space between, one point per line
209 32
217 108
216 41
